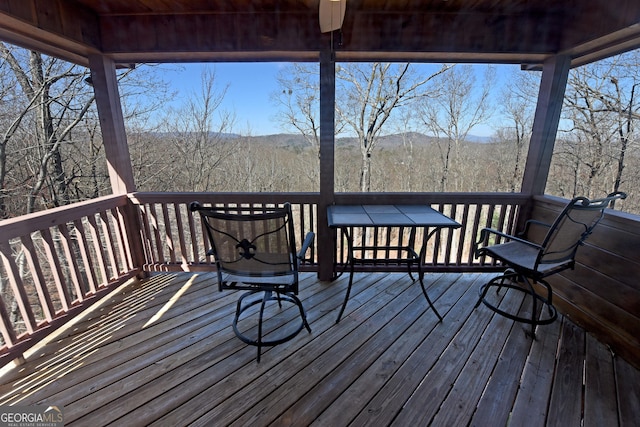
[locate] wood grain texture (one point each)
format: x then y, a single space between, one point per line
161 352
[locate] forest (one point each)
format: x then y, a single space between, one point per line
396 130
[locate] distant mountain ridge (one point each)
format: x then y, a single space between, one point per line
297 140
392 140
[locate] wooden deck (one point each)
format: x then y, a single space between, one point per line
162 352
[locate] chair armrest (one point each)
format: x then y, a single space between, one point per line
308 240
485 233
195 206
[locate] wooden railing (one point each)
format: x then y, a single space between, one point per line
448 249
56 262
174 239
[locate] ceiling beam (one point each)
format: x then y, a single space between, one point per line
521 32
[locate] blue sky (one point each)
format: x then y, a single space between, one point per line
249 94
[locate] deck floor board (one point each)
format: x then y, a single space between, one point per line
161 351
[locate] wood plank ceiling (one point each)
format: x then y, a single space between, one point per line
507 31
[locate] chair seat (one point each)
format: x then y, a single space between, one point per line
521 256
261 264
287 280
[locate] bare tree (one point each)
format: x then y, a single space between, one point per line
298 101
455 110
56 100
601 105
368 95
518 100
622 102
13 110
50 123
200 143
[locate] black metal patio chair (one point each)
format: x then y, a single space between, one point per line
528 263
254 249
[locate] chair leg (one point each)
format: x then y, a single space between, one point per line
551 307
483 293
303 314
268 296
534 310
511 275
508 274
279 299
265 297
508 280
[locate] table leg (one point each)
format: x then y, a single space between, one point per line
424 291
421 260
351 261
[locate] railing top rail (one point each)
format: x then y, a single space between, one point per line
185 197
611 215
25 224
340 198
452 197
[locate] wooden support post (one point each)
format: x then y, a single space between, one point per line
555 72
105 85
327 162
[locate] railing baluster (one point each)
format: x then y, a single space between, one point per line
146 234
84 254
168 233
97 246
17 287
195 243
513 216
437 238
109 245
180 231
450 234
501 217
56 269
155 227
463 234
474 234
203 230
6 326
70 259
119 232
38 278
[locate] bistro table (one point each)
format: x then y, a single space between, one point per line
347 218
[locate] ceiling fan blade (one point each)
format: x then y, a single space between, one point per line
331 14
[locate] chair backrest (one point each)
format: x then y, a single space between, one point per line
252 242
572 227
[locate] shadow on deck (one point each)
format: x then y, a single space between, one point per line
162 352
